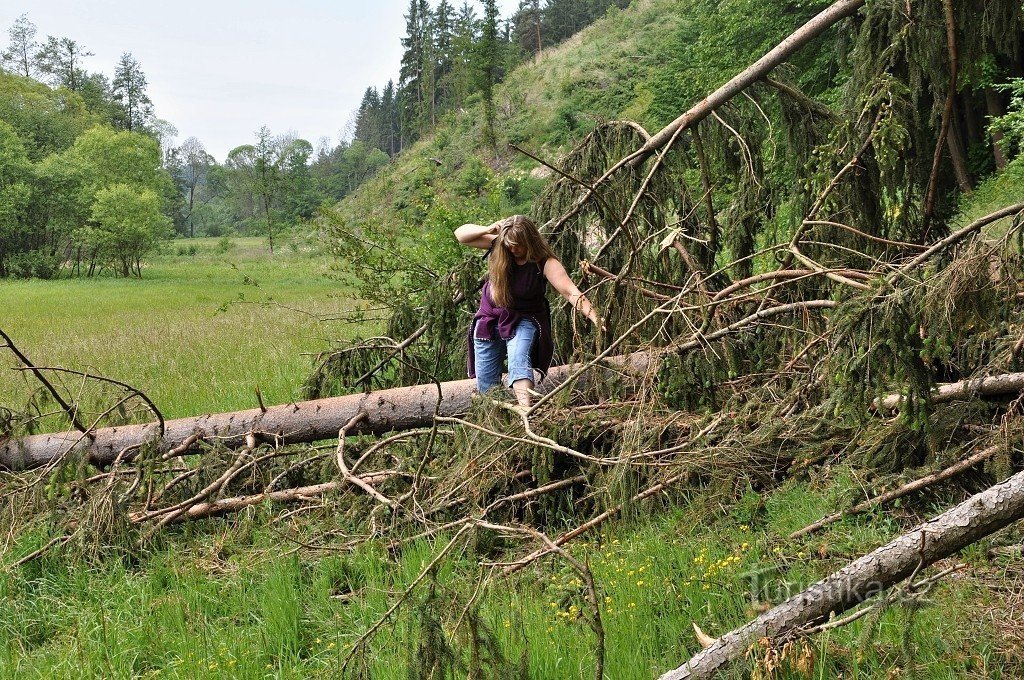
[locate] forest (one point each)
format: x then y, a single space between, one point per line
792 450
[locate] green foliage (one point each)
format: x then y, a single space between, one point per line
883 352
1011 126
48 121
15 183
128 225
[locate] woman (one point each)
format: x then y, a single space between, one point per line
514 318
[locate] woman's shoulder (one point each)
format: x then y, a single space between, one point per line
548 262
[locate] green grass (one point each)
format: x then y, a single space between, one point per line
228 599
994 193
196 333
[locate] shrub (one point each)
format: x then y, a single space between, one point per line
33 264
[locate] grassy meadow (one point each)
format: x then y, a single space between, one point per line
243 597
197 333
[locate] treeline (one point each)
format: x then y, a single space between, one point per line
272 184
453 58
81 183
91 180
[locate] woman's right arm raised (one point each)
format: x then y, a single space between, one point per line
476 235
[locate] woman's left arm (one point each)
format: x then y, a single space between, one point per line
556 275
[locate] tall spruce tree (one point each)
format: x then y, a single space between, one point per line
390 120
488 60
527 27
369 119
411 76
461 79
444 29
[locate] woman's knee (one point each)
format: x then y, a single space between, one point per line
488 357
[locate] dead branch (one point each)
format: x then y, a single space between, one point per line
968 522
365 637
594 522
958 236
132 391
912 591
900 492
348 476
170 513
588 577
299 494
72 413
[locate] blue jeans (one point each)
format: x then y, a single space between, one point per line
490 354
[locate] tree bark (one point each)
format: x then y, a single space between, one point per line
992 386
994 105
972 520
400 408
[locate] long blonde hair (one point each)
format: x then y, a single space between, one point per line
515 230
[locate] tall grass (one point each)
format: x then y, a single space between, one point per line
198 333
231 600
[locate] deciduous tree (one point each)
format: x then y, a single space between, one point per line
15 187
259 175
20 55
190 166
60 59
129 222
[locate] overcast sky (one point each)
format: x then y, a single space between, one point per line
220 69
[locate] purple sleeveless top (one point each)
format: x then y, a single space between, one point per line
492 322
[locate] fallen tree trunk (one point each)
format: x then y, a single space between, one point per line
827 18
900 492
992 386
400 408
972 520
750 75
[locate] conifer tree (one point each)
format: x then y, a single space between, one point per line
411 76
488 59
368 119
444 28
390 121
461 78
526 27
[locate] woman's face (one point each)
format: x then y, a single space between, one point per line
518 250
